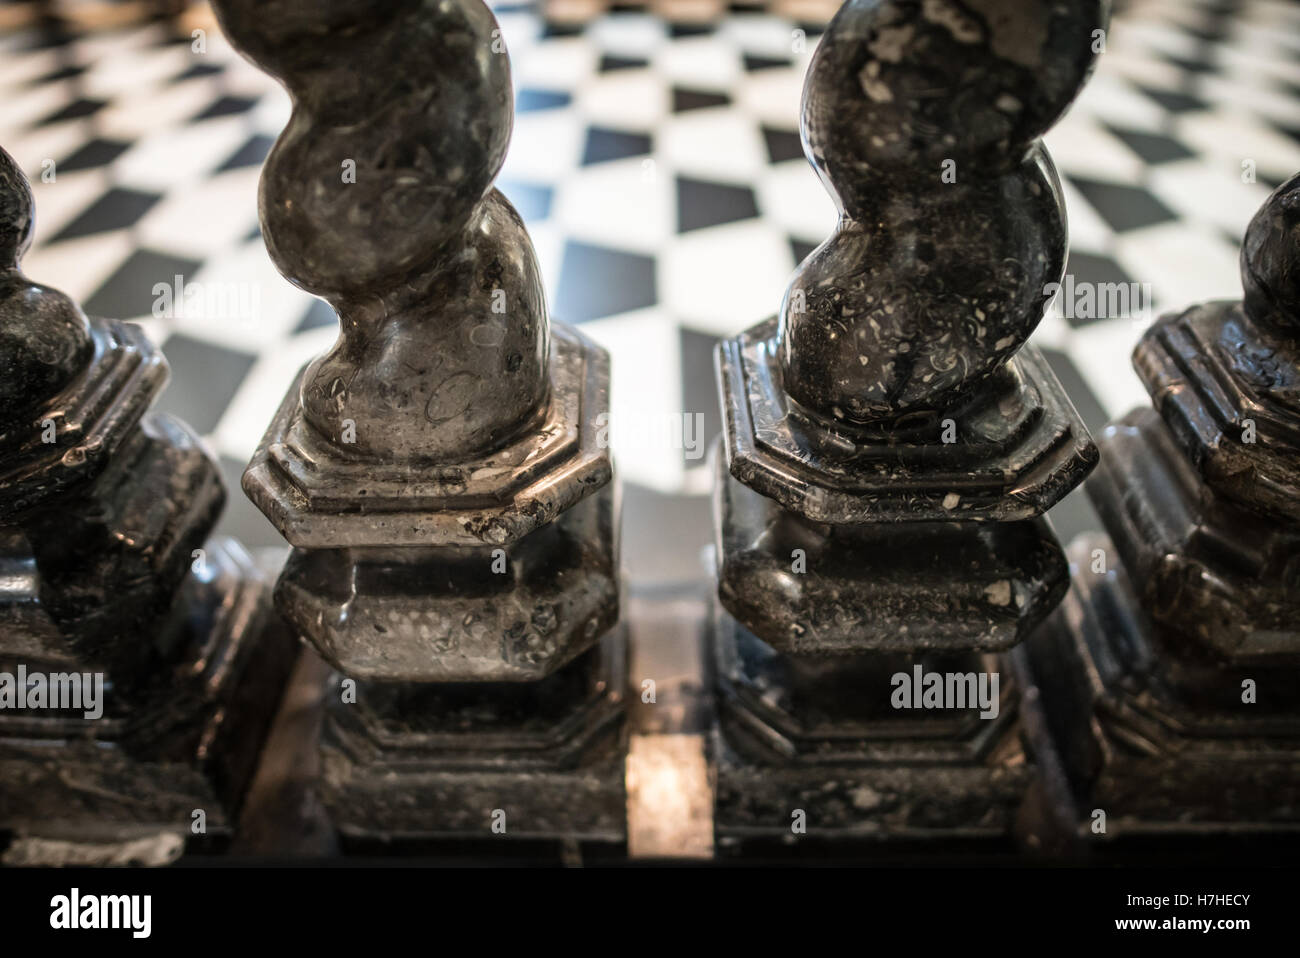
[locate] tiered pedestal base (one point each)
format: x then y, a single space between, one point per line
427 769
1141 724
419 762
819 735
124 788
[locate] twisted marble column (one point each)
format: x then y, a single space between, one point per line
891 441
439 471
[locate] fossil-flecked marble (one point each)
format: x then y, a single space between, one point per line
922 118
441 471
890 440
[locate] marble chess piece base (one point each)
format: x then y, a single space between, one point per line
426 769
879 587
436 615
412 762
1211 570
818 734
1134 720
1013 448
1163 697
123 789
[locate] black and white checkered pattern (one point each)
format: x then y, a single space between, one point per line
659 169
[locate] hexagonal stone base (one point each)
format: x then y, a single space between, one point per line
1010 453
121 785
423 761
112 553
90 419
513 613
318 497
1141 726
806 587
1209 570
1230 392
819 734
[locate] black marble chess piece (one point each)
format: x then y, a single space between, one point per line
139 665
440 472
891 441
1165 692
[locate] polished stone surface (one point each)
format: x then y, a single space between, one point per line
45 339
431 614
1165 690
1202 496
1203 567
1011 452
1228 387
891 441
184 735
813 587
1270 260
1226 376
1136 722
923 120
428 760
818 734
443 471
321 496
449 424
443 353
105 511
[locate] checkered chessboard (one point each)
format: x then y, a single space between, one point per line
659 169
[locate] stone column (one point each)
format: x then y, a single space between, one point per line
441 472
892 441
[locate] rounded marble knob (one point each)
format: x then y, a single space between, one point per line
45 338
377 196
1270 261
923 119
